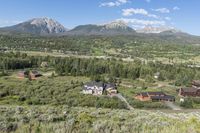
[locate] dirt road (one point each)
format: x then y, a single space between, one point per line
172 106
124 100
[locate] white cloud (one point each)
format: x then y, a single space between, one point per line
123 1
132 11
110 4
142 22
8 22
113 4
162 10
152 16
167 18
176 8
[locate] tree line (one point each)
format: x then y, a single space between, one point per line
180 73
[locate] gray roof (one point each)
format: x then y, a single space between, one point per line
146 94
94 83
156 93
166 97
191 89
196 82
110 85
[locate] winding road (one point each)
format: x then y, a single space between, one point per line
172 106
124 100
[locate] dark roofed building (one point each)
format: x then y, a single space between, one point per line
111 88
35 74
163 98
196 83
156 93
94 83
154 96
191 91
144 94
3 50
29 74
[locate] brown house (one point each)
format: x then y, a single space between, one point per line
26 74
154 96
193 91
35 75
23 74
143 96
189 92
196 83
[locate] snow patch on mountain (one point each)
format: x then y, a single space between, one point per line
151 29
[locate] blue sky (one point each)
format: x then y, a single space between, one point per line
182 14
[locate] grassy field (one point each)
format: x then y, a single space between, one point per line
164 59
63 119
48 90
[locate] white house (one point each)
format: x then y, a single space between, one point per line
95 88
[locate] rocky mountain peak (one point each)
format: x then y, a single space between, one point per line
116 25
48 24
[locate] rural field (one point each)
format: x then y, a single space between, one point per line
55 102
99 66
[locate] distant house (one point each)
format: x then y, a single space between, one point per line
196 83
44 64
154 96
29 74
95 88
35 74
111 89
157 75
23 74
193 91
163 98
2 50
189 92
143 96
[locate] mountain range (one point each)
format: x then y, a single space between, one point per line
47 26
